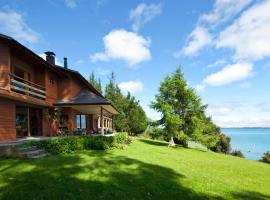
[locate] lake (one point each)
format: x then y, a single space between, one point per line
253 142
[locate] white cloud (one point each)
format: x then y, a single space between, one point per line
99 57
231 121
201 36
249 35
229 74
131 86
13 24
217 63
222 11
123 45
57 62
71 3
198 39
143 14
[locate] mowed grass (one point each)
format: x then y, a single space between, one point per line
147 169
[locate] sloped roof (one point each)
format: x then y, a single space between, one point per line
85 97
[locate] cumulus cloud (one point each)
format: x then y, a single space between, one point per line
71 3
198 39
202 35
249 35
229 74
123 45
217 63
131 86
222 11
13 24
143 14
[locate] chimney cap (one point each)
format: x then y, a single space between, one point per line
49 53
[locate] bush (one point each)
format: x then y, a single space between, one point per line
223 145
67 145
238 153
155 133
181 139
122 138
266 157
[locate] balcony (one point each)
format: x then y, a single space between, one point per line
24 87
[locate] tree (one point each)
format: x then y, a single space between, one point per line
95 82
132 117
183 111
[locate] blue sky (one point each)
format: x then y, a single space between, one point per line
222 46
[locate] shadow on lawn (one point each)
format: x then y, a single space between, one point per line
152 142
96 175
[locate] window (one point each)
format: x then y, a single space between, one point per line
81 121
51 81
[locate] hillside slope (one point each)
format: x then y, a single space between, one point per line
147 169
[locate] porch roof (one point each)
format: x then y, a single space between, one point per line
87 98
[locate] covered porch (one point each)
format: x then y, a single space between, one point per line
86 113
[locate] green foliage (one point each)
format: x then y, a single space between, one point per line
183 112
132 118
68 145
95 82
181 139
266 157
237 153
155 133
223 145
122 138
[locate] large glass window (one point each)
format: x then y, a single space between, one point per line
81 121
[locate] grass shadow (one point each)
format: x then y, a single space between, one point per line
250 195
94 175
154 142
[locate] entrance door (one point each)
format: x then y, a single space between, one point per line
35 121
21 121
25 128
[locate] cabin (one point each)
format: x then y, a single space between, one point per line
39 98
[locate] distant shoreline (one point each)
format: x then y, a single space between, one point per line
246 127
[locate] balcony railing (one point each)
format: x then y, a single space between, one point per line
21 86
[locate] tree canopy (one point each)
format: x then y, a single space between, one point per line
95 82
132 117
183 111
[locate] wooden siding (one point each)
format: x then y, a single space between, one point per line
51 88
4 67
7 120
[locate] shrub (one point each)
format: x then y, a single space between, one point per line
122 138
67 145
238 153
223 145
181 139
155 133
266 157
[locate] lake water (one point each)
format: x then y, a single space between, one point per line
253 142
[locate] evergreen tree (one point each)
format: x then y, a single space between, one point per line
132 117
183 111
96 83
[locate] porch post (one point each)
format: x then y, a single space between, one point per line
102 121
28 122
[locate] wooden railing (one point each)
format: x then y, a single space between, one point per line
21 86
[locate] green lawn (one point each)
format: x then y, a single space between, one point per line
147 169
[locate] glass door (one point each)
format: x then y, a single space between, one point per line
21 121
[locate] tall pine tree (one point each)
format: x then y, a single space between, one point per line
95 82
